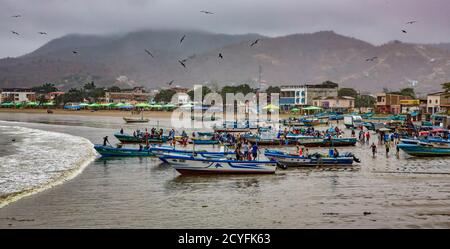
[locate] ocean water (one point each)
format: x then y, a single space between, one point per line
381 192
33 160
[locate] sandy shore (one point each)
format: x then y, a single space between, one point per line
100 113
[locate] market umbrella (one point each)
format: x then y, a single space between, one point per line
31 104
84 104
18 104
118 105
157 106
295 109
94 105
169 106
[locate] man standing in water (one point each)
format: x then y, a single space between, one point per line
387 145
374 149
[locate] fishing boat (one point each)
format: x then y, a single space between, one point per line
186 164
109 151
168 150
136 120
422 149
325 142
315 159
201 141
126 138
140 119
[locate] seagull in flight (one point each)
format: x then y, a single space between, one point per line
42 33
16 16
206 12
148 52
182 62
411 22
254 43
74 52
170 82
404 31
14 32
220 56
182 38
372 59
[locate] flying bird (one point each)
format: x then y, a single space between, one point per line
254 43
404 31
75 52
182 38
372 59
220 56
148 52
42 33
170 82
182 63
14 32
411 22
16 16
206 12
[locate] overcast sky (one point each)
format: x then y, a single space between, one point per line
375 21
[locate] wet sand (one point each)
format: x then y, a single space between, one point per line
381 192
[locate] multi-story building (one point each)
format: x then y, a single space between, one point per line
341 104
137 94
303 95
389 103
437 102
17 95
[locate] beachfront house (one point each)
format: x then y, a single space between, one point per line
438 102
337 104
303 95
389 103
17 95
136 94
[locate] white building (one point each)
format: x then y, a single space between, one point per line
17 95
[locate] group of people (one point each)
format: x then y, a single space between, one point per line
246 151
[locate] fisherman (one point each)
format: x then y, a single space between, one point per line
353 133
306 154
245 150
299 150
397 149
237 150
105 141
374 149
121 130
134 133
335 153
140 147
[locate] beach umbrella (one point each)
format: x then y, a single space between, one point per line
169 106
311 108
31 104
143 105
118 105
271 107
48 104
7 104
94 105
295 109
18 104
157 106
84 104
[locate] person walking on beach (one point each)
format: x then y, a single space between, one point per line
374 149
397 151
367 137
387 145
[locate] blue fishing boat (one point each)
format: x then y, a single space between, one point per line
327 142
201 141
315 159
426 149
109 151
126 138
186 164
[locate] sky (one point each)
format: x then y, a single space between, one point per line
374 21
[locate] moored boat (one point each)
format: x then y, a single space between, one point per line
126 138
422 149
109 151
324 142
315 159
185 164
136 120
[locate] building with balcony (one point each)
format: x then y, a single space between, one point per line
304 95
389 103
437 102
338 104
17 95
137 94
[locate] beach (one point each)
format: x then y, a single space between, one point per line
380 192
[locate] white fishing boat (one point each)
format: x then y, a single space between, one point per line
188 164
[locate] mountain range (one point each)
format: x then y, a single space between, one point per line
293 59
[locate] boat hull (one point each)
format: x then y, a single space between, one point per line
123 138
420 150
136 120
195 165
327 143
299 161
108 151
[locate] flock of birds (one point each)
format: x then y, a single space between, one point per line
182 62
